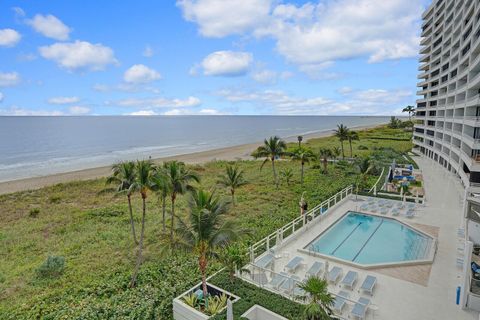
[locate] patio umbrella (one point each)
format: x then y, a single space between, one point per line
229 310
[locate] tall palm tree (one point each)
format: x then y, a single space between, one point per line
299 139
143 183
352 136
336 152
325 153
410 110
364 166
303 155
179 180
206 228
272 148
342 134
162 188
232 179
321 301
123 175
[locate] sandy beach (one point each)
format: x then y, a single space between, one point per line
239 152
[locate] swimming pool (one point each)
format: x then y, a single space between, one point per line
368 239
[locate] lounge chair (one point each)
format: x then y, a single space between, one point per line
299 292
293 264
389 204
395 212
364 207
265 261
277 280
475 270
384 210
289 284
374 209
410 213
315 270
334 274
360 308
350 279
339 302
411 206
369 284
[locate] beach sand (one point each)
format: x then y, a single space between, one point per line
239 152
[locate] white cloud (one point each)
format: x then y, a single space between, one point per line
373 101
312 34
19 13
158 102
227 63
17 111
219 18
270 77
50 26
9 37
9 79
79 110
63 100
140 73
142 113
148 52
1 97
79 55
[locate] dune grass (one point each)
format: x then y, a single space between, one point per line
90 229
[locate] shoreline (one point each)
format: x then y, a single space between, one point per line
232 153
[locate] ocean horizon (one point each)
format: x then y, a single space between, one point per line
41 146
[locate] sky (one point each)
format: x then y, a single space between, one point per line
192 57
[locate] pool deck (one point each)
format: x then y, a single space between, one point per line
409 292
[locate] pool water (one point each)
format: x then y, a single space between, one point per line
368 239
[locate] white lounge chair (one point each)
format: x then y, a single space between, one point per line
384 210
315 270
334 274
410 213
339 302
360 308
369 284
350 279
265 261
289 284
277 280
364 207
395 212
293 264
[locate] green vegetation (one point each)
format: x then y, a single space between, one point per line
319 300
91 229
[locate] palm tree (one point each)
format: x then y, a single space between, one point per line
272 148
299 139
179 180
336 153
342 134
303 155
162 188
143 183
234 259
410 110
325 153
123 176
206 228
232 179
287 174
352 136
363 166
321 301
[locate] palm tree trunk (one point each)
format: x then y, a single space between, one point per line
202 265
325 164
343 153
132 223
274 172
172 222
232 191
351 150
301 177
133 282
164 210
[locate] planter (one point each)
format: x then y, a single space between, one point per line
182 311
260 313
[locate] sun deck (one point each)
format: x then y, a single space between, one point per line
416 291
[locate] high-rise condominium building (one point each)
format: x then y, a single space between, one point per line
448 113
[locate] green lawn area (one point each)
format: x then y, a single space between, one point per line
91 230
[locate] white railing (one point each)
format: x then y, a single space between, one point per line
378 180
296 224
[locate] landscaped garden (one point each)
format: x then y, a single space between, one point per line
69 251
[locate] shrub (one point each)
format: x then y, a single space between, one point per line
113 211
34 212
362 147
55 199
52 267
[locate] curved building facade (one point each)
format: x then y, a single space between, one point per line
448 111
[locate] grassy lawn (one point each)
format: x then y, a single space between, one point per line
91 230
